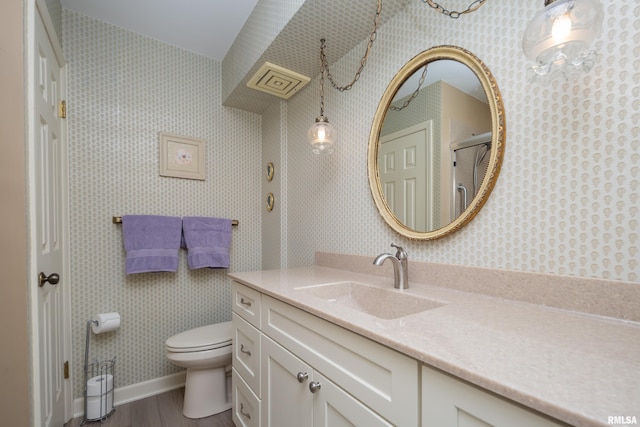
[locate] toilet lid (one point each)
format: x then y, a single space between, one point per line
201 339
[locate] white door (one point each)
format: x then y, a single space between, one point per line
405 168
48 186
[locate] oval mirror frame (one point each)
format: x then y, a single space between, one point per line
498 128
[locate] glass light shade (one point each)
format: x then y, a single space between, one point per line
322 136
558 38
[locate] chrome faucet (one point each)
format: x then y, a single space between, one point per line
400 267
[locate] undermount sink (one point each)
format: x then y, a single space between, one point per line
379 302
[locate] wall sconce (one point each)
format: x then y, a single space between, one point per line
558 38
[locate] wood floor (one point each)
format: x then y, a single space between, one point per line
163 410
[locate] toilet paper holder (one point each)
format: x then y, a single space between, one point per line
99 384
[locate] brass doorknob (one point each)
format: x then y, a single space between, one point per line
53 278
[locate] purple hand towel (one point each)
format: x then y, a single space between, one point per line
152 242
207 241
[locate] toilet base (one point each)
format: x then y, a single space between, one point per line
205 393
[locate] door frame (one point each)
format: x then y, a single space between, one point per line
37 9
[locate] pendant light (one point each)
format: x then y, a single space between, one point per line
559 37
322 134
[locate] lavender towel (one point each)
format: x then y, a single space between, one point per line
207 241
152 242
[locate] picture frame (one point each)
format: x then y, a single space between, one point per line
182 157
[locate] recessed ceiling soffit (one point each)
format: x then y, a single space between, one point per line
344 25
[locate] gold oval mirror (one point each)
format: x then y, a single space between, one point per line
436 144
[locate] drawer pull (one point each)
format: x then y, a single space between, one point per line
243 350
314 386
302 377
244 414
245 302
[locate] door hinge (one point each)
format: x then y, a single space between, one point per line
66 370
62 109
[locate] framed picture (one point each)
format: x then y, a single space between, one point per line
182 157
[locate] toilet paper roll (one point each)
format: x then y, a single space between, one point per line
98 407
99 396
99 384
106 322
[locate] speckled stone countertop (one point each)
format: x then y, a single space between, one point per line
576 367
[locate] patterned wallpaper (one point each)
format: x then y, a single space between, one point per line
123 90
567 199
55 12
299 25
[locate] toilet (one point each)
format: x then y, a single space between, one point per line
206 353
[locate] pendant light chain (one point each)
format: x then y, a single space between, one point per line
363 61
322 72
452 13
414 94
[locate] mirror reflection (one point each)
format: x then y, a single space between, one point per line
439 112
436 143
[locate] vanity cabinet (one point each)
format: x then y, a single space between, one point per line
447 401
312 372
297 395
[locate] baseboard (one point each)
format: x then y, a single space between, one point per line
133 392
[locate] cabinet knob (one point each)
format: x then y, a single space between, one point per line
302 377
314 386
245 302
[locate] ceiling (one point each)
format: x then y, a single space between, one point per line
283 32
205 27
210 27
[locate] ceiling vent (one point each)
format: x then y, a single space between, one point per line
277 81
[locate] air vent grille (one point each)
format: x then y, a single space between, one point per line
277 81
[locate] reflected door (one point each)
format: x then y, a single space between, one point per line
406 175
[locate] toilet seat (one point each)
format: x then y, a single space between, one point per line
201 339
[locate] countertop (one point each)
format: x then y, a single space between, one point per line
575 367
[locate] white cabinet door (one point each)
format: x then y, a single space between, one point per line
333 407
286 402
380 378
448 402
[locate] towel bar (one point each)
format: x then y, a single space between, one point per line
118 220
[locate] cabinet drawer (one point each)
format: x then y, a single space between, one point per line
246 406
246 302
380 377
246 352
